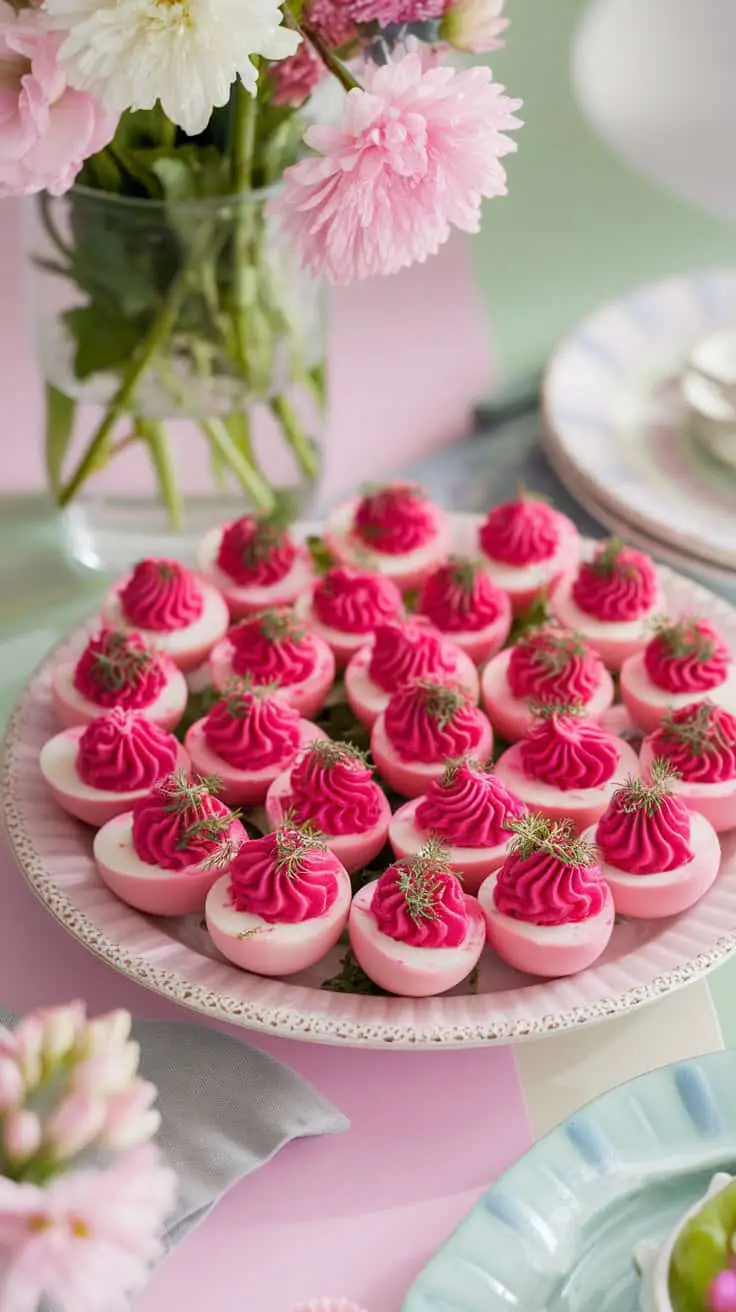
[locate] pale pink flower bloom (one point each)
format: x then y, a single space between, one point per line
12 1084
108 1032
475 26
21 1135
385 12
130 1117
62 1027
107 1072
415 155
87 1239
75 1124
47 130
28 1034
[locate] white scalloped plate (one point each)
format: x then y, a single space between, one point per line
614 414
643 962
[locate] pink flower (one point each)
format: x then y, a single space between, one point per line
474 25
722 1292
87 1239
332 19
385 12
295 78
417 151
47 130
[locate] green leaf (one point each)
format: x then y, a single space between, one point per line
104 341
60 412
322 558
702 1251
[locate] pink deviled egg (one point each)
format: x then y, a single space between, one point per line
346 606
528 547
98 770
171 608
119 669
611 601
247 739
394 529
275 648
331 786
414 931
282 906
468 810
548 909
699 742
164 856
462 601
255 563
685 661
546 664
402 651
423 724
657 857
567 766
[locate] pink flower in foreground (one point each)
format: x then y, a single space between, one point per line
416 152
395 11
47 130
86 1240
475 25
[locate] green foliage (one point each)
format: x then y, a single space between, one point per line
60 414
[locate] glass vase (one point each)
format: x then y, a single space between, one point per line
183 353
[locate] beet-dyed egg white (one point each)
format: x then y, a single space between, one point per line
567 766
462 601
400 652
247 739
346 606
255 563
611 601
331 787
425 723
546 664
527 547
657 857
118 669
685 661
415 931
96 771
699 742
468 810
164 855
394 529
275 648
173 609
548 908
282 906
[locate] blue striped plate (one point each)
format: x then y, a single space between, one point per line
557 1232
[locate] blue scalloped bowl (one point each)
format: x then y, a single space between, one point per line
557 1232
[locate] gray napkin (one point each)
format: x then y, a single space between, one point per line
226 1110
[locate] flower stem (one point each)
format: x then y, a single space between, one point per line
328 57
250 478
244 115
121 402
301 445
159 449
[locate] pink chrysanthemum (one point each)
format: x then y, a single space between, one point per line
85 1240
333 19
386 12
417 151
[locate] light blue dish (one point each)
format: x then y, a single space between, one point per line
557 1232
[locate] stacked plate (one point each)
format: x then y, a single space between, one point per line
617 431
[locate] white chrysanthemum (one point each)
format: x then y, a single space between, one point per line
185 53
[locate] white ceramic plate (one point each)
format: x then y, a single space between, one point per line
613 412
176 959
